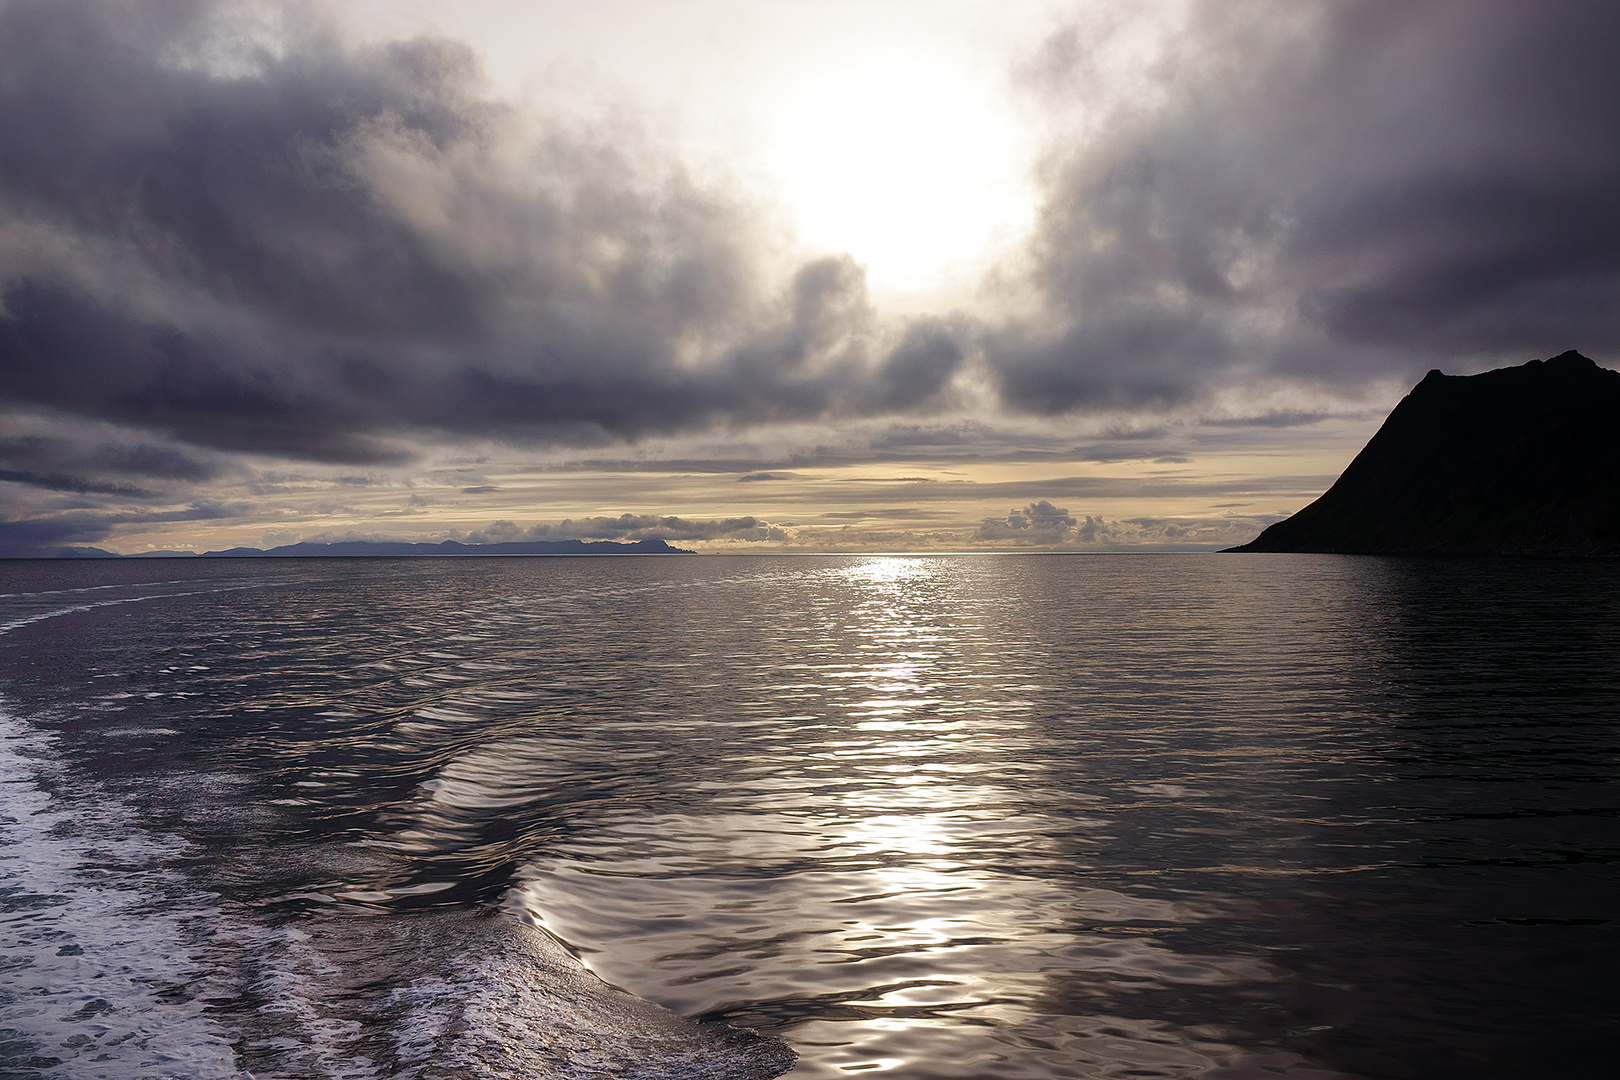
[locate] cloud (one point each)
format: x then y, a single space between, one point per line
281 244
898 513
96 465
230 239
45 536
1038 523
1043 525
269 241
1086 487
633 527
41 537
1329 190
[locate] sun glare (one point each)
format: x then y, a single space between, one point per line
915 172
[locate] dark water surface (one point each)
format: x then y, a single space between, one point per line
1106 816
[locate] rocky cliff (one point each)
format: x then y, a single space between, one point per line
1517 461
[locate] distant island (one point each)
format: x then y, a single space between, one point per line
382 548
1517 461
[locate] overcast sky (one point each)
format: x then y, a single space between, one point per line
754 275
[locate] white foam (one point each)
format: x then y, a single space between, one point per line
94 932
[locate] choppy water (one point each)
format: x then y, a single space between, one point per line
1134 816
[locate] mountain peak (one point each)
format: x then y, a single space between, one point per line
1516 461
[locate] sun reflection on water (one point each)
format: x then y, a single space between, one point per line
924 817
890 569
851 893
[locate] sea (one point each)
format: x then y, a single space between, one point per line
961 816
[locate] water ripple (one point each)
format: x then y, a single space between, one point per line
926 817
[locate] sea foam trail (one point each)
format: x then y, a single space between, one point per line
93 934
465 994
124 954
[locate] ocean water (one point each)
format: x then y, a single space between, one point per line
1014 817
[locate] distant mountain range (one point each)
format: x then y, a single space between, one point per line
374 548
1517 461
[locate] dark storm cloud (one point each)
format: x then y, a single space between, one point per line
138 459
298 248
96 467
68 483
44 536
319 252
1330 190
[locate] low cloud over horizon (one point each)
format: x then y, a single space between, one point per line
247 257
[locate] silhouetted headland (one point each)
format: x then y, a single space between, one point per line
1517 461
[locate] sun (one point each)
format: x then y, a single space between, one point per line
917 173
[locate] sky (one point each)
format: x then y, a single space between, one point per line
768 276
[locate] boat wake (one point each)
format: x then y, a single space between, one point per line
130 948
